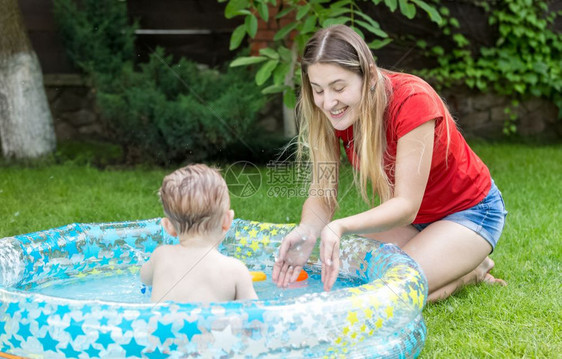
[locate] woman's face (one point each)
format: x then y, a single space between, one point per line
337 92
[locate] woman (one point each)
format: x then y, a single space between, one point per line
438 201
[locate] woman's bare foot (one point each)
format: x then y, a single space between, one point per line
479 274
483 273
490 279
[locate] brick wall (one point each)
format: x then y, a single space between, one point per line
267 30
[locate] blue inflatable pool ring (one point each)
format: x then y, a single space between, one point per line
380 318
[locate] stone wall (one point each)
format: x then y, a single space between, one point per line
479 115
482 115
72 104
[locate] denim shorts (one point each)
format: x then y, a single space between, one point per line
486 218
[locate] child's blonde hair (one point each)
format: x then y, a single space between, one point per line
194 198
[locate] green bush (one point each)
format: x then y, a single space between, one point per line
159 111
97 34
525 61
174 113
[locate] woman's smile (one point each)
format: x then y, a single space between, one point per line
338 113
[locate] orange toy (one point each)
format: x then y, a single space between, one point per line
258 276
302 276
9 356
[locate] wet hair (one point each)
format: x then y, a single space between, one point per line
341 46
194 198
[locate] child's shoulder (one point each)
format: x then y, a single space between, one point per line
232 262
165 248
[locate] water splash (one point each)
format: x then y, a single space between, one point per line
11 262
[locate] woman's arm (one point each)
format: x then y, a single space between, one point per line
299 243
413 162
316 214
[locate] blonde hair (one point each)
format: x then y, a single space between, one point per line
340 45
194 198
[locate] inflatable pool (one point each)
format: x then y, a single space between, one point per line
381 317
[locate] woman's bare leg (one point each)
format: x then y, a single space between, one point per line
480 274
451 255
399 236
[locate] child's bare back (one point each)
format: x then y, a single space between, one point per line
187 274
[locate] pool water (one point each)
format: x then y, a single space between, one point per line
125 286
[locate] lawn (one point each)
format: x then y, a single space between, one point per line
522 320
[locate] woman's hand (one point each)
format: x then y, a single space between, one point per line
293 255
330 254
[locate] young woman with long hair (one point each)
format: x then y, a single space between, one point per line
438 201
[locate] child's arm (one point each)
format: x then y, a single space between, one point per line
146 271
244 284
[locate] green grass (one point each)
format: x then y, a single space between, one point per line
522 320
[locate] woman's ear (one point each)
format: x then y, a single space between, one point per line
169 227
227 220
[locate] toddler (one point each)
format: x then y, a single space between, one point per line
197 208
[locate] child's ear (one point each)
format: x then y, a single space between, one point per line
227 220
169 227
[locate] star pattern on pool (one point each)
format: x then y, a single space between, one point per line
36 326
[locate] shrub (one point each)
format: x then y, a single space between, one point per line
97 34
159 111
525 61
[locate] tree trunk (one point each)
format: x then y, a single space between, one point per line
26 124
289 118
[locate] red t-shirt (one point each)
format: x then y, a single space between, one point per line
455 185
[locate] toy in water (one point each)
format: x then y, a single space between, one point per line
302 276
261 276
380 317
9 356
258 276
